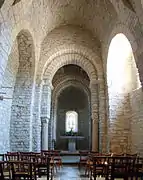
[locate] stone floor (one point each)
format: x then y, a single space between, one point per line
69 173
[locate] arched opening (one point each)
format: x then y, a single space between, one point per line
71 121
70 107
22 99
122 79
73 99
6 92
17 96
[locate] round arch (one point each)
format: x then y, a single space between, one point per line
69 81
66 59
55 45
121 66
122 79
120 28
23 99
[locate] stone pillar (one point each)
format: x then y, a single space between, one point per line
36 124
44 133
102 118
45 112
94 115
46 99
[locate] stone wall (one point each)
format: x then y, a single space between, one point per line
7 91
120 119
22 104
136 99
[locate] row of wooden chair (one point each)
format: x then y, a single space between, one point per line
27 165
112 167
85 155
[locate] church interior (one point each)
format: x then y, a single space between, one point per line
71 75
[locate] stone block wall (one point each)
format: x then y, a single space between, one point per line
22 104
120 119
8 83
136 99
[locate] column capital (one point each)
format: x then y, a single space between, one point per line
38 81
44 120
94 121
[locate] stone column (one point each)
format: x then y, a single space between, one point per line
102 118
46 99
44 133
94 115
45 112
36 124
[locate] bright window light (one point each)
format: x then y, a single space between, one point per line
71 121
122 74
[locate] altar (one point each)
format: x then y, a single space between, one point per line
72 142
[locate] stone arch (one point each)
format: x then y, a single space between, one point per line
65 83
76 40
23 95
66 59
6 92
96 92
120 28
120 87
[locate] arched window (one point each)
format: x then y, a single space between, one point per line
71 121
122 73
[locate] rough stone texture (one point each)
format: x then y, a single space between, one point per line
22 109
5 105
136 99
83 28
36 123
120 121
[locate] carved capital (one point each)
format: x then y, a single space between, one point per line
44 120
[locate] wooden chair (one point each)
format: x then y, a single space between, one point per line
100 166
1 170
57 158
12 156
122 167
43 165
23 169
84 155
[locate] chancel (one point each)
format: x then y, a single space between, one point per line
71 75
72 134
